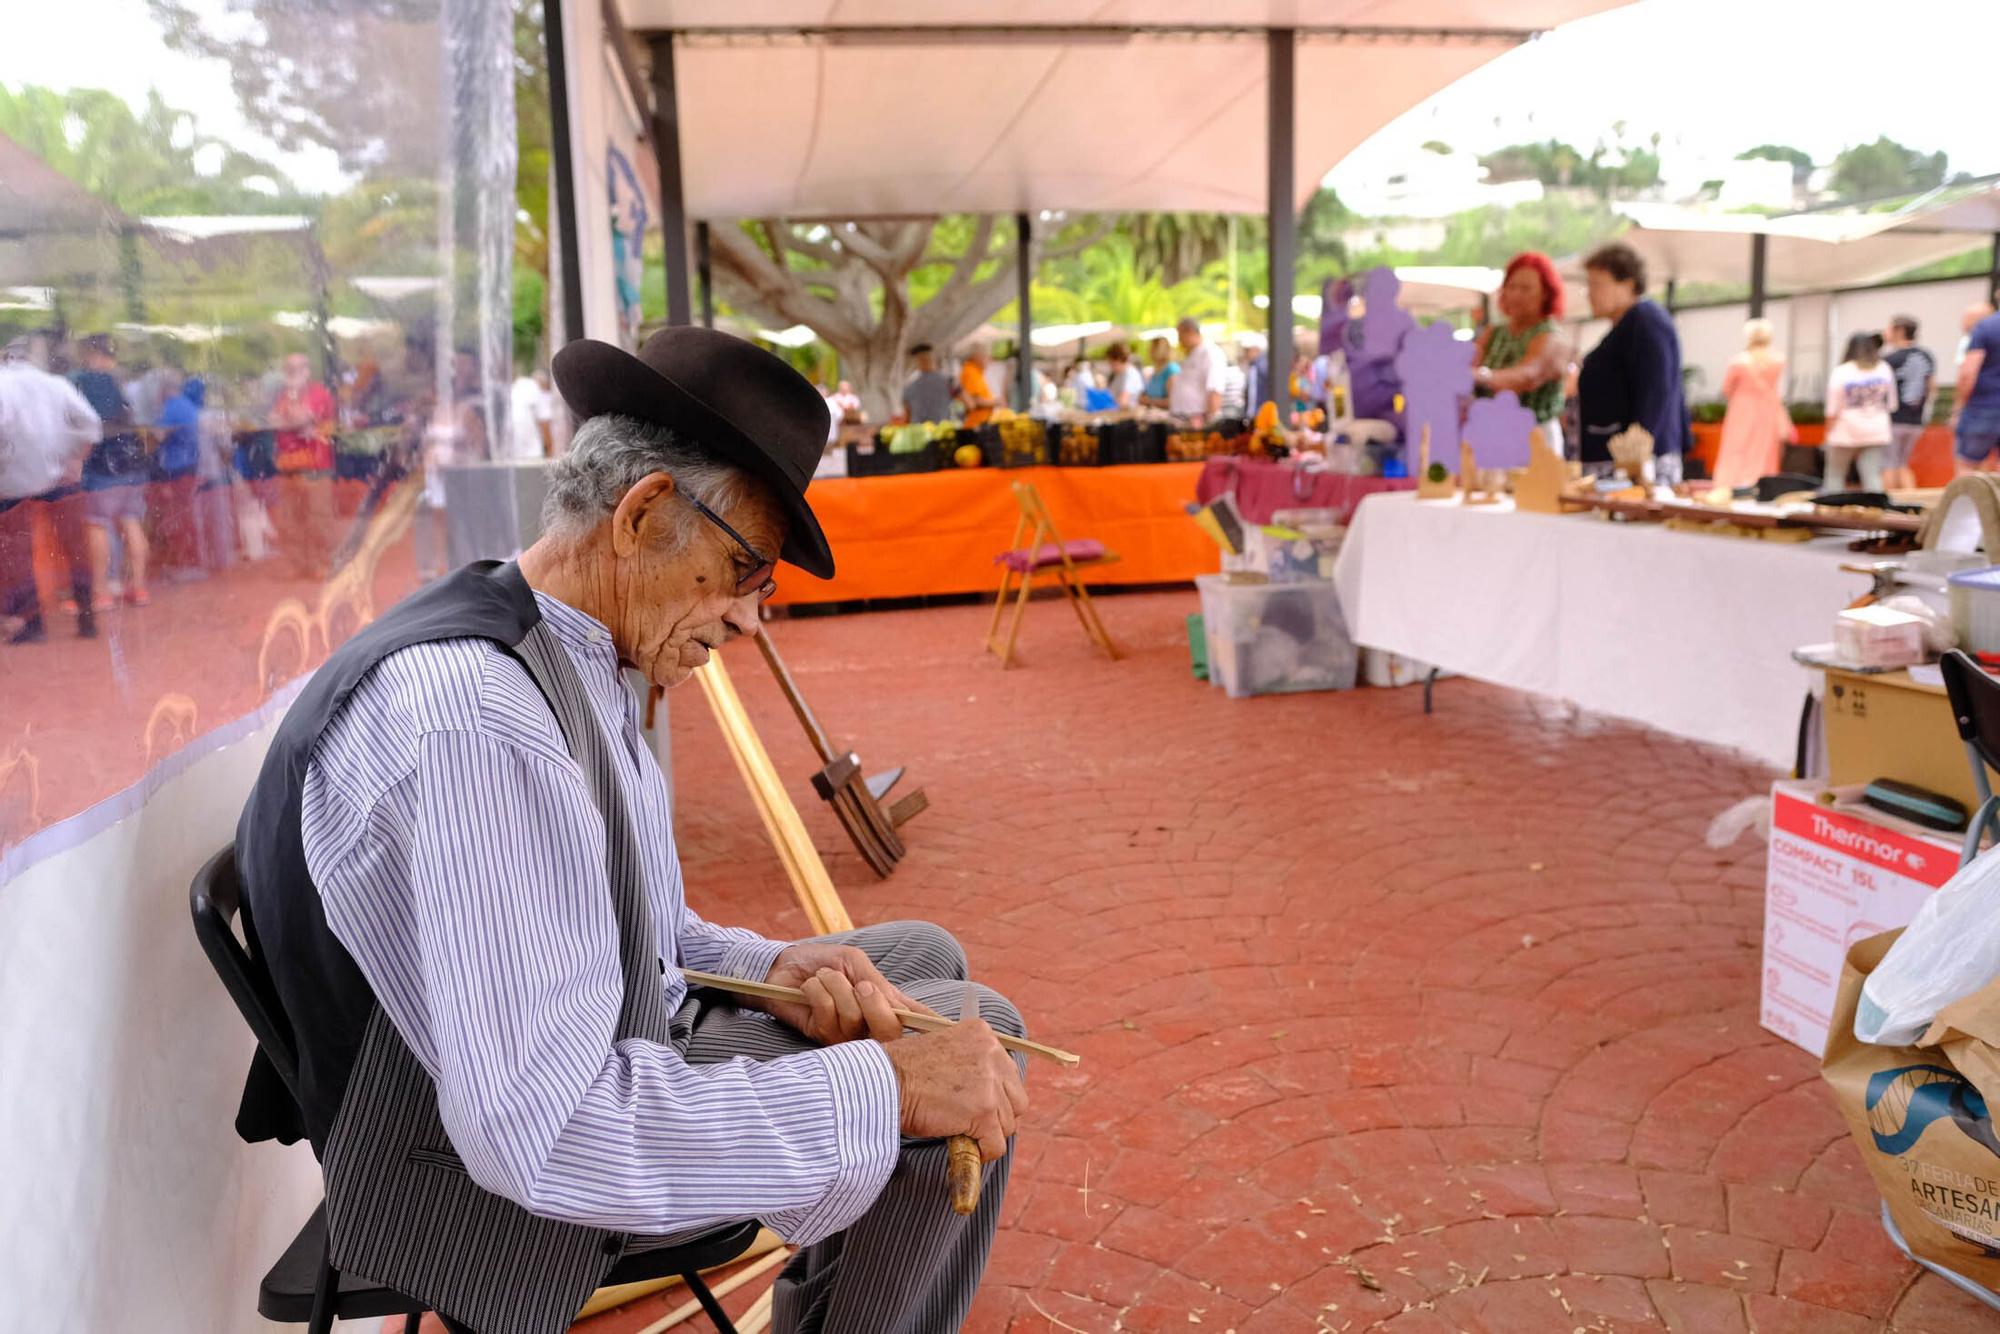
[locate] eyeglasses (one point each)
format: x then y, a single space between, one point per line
757 579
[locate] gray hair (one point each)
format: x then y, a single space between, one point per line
609 455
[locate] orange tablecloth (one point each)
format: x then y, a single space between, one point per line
898 537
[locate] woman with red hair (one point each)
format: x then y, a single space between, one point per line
1525 352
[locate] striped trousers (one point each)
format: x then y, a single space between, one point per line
909 1265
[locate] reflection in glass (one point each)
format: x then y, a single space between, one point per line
237 354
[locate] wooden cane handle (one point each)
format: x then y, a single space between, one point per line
964 1170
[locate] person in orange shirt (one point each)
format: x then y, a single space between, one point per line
978 395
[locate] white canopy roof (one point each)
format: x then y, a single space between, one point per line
848 108
1809 252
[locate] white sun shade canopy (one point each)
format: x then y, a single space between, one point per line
851 108
1811 252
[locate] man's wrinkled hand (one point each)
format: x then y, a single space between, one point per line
847 998
959 1081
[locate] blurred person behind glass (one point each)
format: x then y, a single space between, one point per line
114 478
47 427
300 497
1525 351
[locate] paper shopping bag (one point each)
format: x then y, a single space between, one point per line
1919 1116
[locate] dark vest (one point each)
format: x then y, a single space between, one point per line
401 1208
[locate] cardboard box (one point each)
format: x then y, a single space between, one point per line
1888 726
1834 877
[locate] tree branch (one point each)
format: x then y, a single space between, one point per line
765 286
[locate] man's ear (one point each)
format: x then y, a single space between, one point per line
628 521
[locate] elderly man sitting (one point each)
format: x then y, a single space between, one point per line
459 870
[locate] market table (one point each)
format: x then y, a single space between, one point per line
1262 487
1686 632
937 532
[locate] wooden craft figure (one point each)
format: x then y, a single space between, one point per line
1498 429
1369 343
1477 492
1539 489
1436 370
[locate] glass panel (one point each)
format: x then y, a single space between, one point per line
256 303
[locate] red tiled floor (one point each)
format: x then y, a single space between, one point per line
1461 1003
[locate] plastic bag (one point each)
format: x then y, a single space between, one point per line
1950 950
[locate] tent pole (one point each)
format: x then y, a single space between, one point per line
1024 365
1759 247
673 204
562 168
1282 245
704 275
1993 269
1673 289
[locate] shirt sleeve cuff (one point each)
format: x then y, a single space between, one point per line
751 960
867 1112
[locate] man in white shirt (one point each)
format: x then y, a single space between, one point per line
532 409
1196 396
46 429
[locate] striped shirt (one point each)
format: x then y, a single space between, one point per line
460 859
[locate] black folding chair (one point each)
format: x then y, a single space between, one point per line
304 1287
1975 707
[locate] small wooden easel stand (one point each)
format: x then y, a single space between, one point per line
1476 492
1442 489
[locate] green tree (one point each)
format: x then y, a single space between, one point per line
1885 167
153 161
1175 246
856 284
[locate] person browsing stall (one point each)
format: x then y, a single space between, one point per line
1633 376
460 867
1196 394
1165 373
1756 426
1525 351
1916 378
1125 381
973 389
927 396
1860 395
1975 415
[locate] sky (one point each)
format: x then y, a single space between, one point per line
1714 77
1711 76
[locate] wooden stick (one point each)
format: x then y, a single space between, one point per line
810 882
923 1023
758 1318
719 1291
622 1294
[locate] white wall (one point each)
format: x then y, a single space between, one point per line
1813 329
127 1203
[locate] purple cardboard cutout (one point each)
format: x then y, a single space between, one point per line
1498 429
1436 369
1369 343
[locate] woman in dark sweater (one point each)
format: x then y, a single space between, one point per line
1633 376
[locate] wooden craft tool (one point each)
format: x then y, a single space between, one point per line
962 1165
1441 489
923 1023
810 882
856 801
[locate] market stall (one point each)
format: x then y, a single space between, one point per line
1686 632
938 532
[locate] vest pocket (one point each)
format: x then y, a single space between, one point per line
444 1159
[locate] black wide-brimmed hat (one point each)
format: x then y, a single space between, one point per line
727 398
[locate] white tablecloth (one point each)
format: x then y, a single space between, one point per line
1689 633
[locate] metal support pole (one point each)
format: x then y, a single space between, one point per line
1993 269
1759 247
704 275
1282 247
1673 290
1024 355
563 168
673 203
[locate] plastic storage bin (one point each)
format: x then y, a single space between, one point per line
1266 639
1975 609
